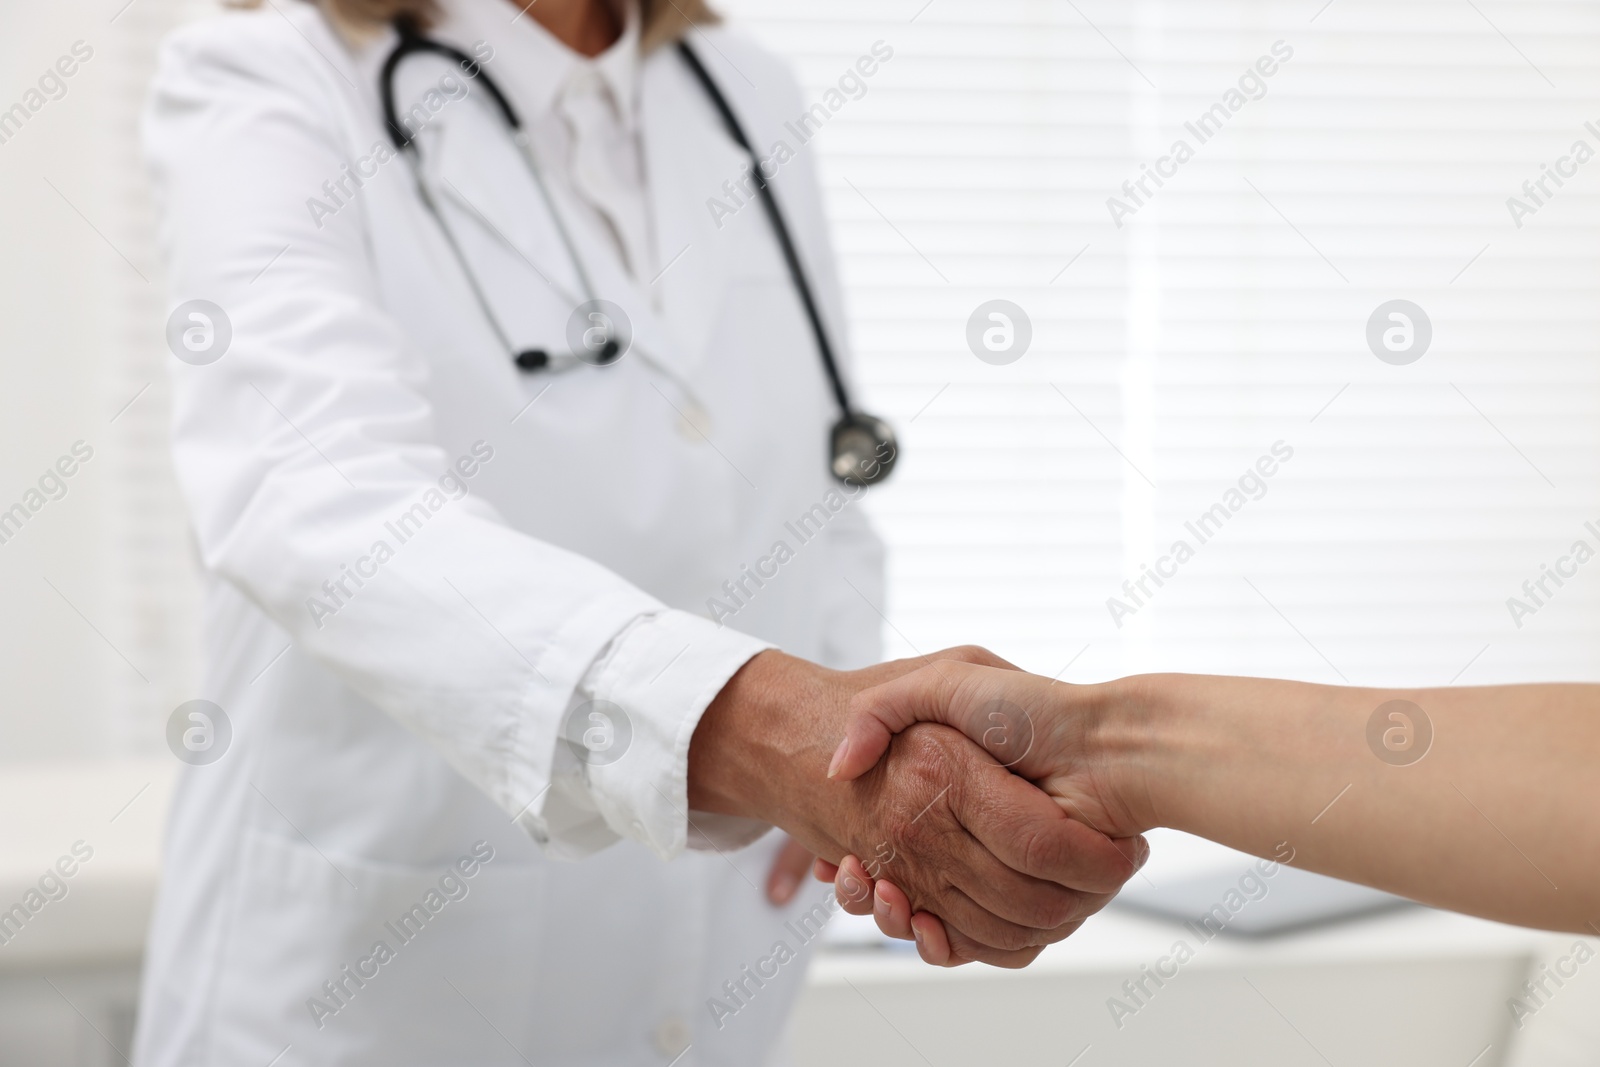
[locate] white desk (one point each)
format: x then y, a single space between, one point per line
69 976
1411 988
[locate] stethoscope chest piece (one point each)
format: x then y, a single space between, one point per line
864 449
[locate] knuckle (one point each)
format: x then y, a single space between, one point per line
1090 903
1124 869
997 936
1035 906
1042 850
861 703
973 654
1017 938
919 741
1110 869
924 756
1051 908
1000 935
1058 933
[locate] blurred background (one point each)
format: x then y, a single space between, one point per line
1176 333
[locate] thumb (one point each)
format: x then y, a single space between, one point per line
929 694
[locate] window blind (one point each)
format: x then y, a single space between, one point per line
153 589
1183 337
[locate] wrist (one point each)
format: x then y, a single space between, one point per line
1131 739
750 742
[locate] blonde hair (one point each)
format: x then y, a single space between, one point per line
665 21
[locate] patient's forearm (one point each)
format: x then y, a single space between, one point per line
1500 815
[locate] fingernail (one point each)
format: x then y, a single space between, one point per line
838 757
880 907
783 887
1141 852
916 933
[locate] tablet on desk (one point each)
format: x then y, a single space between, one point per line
1248 903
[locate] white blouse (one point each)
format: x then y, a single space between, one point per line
581 114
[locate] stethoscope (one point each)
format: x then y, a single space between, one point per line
864 448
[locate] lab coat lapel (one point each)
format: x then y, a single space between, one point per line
469 159
688 158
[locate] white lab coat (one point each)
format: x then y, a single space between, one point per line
392 733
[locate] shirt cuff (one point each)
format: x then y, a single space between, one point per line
658 677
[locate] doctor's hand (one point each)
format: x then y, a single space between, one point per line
1038 729
964 839
789 869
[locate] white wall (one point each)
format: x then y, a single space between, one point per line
90 665
54 330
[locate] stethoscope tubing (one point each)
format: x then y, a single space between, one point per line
769 202
412 42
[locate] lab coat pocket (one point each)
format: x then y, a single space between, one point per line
344 960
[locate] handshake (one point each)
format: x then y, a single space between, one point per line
980 833
987 812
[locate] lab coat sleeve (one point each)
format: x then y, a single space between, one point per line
315 482
662 657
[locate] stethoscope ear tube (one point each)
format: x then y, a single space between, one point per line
412 41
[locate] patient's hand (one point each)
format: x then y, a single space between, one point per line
1050 733
1250 762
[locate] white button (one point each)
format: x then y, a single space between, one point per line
671 1037
694 424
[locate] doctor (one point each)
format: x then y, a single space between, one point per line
511 467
